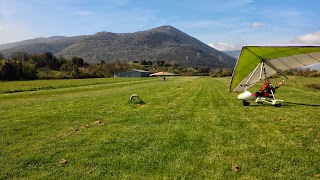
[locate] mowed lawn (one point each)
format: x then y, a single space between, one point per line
188 128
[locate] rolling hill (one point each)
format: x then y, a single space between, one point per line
162 43
52 44
30 41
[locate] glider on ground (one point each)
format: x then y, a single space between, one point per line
162 73
258 63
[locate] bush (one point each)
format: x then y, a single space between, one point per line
76 74
314 74
221 72
314 86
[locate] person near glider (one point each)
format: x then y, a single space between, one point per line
267 89
259 62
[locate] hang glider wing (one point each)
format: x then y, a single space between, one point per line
273 59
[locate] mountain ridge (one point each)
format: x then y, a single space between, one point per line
160 43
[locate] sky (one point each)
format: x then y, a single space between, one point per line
222 24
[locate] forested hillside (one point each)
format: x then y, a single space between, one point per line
164 43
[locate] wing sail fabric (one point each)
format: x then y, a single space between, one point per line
276 58
255 77
295 61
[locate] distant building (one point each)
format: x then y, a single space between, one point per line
133 73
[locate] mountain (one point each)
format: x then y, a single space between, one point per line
29 42
162 43
52 44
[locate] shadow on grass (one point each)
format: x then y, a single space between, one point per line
285 104
27 90
300 104
136 101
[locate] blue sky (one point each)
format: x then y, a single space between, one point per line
222 24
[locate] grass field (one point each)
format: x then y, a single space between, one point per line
188 128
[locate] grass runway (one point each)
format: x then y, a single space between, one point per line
188 128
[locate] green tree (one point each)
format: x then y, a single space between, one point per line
160 63
77 61
20 56
52 61
29 71
47 60
143 62
9 71
203 70
66 67
76 73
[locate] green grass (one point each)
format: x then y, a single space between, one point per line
23 86
187 128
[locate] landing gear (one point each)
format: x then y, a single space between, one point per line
245 103
277 105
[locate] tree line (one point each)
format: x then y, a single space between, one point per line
23 66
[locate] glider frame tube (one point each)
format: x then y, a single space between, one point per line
254 71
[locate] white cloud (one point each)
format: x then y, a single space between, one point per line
257 24
221 46
311 38
293 14
80 12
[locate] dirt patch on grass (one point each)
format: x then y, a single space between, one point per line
98 123
84 127
316 176
63 161
235 168
75 129
78 129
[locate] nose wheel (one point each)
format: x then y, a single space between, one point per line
245 103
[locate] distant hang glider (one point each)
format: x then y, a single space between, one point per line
270 59
162 73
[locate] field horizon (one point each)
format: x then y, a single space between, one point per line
187 128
